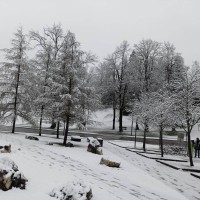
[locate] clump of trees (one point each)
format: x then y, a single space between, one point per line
151 82
55 84
148 80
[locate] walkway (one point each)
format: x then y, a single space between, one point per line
181 181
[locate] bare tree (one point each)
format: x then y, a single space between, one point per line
171 62
116 68
161 115
147 52
107 84
143 111
186 103
49 45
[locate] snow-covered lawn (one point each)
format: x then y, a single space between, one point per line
103 119
47 167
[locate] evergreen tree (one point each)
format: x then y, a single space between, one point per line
67 83
14 71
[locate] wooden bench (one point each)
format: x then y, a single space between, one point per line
124 128
76 138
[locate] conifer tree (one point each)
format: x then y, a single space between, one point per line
14 70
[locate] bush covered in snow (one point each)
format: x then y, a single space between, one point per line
10 176
76 190
175 150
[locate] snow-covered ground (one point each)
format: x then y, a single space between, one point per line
47 167
104 118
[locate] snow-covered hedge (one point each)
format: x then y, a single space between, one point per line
76 190
175 150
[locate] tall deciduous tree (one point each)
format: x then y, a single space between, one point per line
143 111
122 54
147 53
171 63
186 103
161 115
116 76
49 45
107 85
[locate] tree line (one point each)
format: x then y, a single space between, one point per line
53 85
152 83
62 83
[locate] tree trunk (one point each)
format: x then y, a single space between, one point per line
132 125
144 139
161 141
58 126
66 131
189 149
41 118
120 120
135 137
114 117
16 98
188 132
14 121
114 110
68 114
137 126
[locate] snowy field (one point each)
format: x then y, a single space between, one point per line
103 119
47 167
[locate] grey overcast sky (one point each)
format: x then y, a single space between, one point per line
101 25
